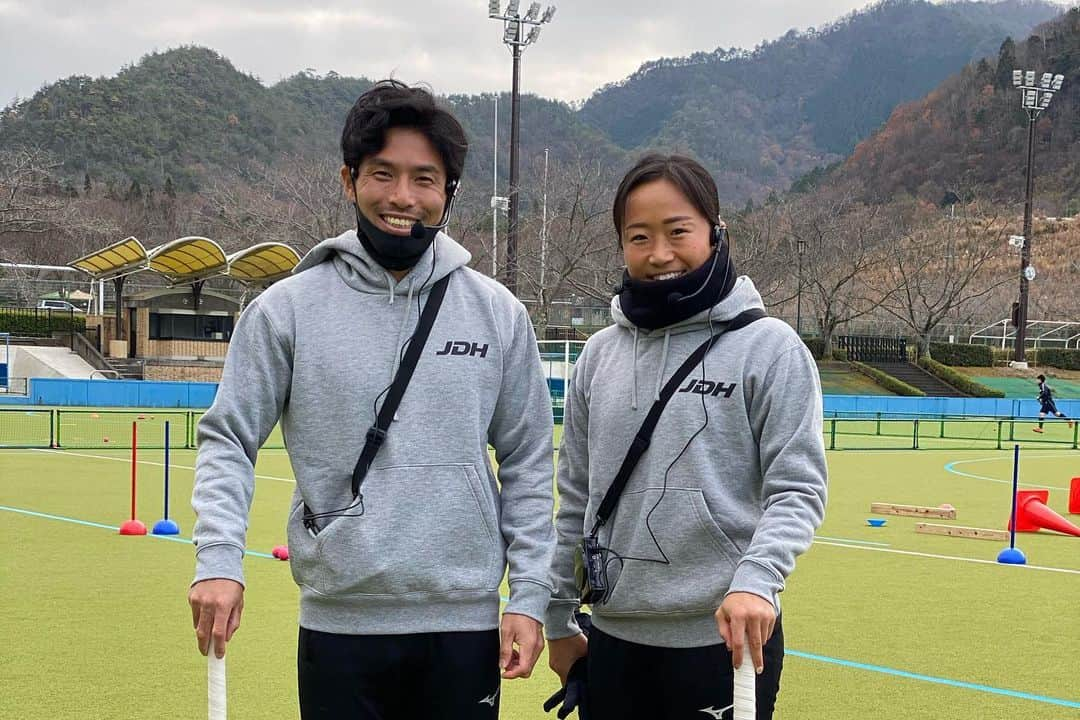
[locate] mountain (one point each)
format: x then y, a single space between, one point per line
760 119
969 135
186 113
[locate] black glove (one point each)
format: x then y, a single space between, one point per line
573 695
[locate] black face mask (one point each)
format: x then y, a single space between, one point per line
398 252
394 252
652 304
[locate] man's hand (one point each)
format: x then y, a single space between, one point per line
563 653
527 634
745 614
216 607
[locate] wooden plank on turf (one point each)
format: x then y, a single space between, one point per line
960 531
912 511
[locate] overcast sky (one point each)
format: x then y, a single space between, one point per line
449 44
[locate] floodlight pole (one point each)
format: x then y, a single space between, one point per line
798 303
514 23
512 193
1025 251
1035 97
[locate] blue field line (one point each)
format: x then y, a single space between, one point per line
795 653
936 680
87 523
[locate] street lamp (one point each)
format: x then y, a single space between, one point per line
516 40
1035 97
798 304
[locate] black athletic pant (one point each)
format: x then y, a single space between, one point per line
399 677
628 681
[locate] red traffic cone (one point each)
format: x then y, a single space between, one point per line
1074 496
1032 514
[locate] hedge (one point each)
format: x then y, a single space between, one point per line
958 380
962 355
39 323
817 349
1059 358
887 381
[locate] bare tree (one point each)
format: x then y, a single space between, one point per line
843 242
944 267
30 201
580 255
297 201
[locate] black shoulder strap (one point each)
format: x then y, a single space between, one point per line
644 434
376 434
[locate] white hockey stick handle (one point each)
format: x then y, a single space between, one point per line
215 685
744 696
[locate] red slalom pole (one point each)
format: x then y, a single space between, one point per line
133 526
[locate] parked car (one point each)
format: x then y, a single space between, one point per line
58 305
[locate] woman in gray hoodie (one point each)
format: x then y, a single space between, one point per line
695 552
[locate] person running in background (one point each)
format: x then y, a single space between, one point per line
1046 405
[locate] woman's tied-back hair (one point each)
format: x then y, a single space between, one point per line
683 172
393 104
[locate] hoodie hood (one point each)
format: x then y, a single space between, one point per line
362 273
743 296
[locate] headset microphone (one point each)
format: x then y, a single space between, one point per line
675 298
417 231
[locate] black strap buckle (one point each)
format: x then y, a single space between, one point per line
375 436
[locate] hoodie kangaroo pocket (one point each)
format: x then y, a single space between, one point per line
425 529
700 558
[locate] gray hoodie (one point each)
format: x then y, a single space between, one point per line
317 350
731 513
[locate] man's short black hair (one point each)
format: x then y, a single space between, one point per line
390 104
1042 378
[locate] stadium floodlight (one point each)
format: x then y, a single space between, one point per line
1058 79
533 34
1031 98
533 13
1018 75
1029 77
550 13
510 35
1045 81
512 8
493 8
1044 102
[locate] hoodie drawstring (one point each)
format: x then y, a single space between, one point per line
663 364
402 329
633 392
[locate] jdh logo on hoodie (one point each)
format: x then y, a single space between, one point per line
708 387
463 347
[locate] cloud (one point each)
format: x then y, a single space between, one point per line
449 44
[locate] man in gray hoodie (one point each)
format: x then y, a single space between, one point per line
399 581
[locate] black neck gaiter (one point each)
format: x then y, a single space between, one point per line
393 252
652 304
